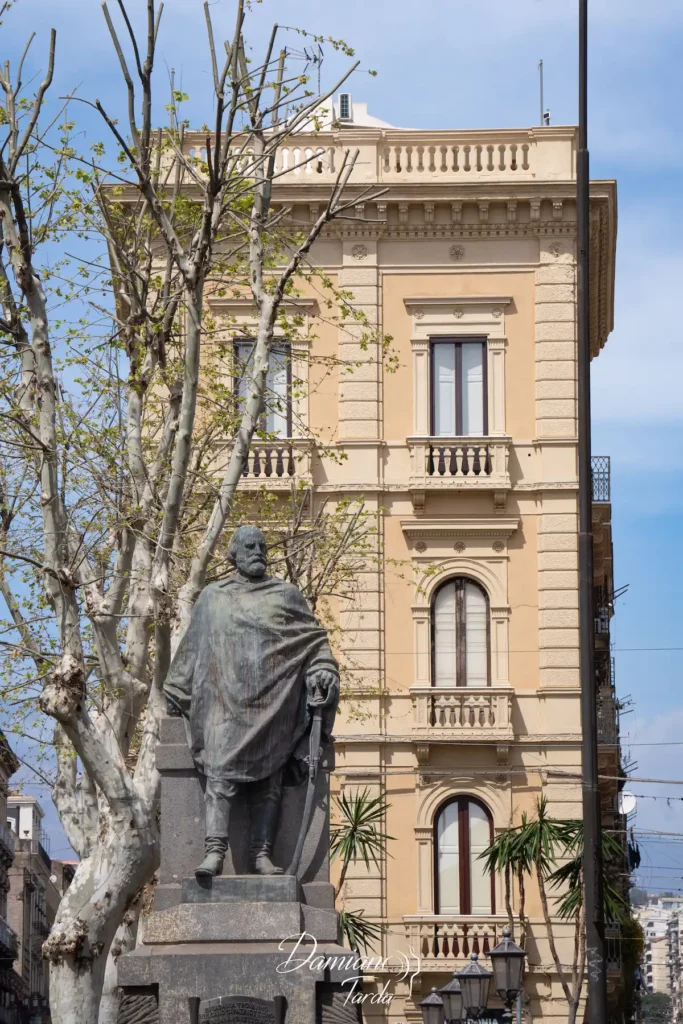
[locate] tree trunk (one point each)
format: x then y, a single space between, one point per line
124 941
105 885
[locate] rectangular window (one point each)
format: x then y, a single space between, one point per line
459 399
277 418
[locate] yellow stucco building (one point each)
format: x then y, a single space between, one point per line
466 660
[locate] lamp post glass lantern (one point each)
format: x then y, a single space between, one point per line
451 995
432 1008
507 959
474 983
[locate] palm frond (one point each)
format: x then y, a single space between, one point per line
357 836
359 933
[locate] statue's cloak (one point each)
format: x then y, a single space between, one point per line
238 676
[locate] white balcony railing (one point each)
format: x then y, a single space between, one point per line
445 943
452 463
277 464
462 714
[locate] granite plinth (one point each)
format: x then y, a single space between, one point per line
187 973
242 889
238 922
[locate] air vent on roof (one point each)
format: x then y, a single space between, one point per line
345 108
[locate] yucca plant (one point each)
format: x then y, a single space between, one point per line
358 835
359 933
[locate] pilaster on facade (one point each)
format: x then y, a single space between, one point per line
360 411
558 600
555 318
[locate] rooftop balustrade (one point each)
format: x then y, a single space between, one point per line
397 156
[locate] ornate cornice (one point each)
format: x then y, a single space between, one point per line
460 526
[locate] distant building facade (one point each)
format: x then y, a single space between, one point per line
33 900
11 990
662 923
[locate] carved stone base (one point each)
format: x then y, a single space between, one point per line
139 1006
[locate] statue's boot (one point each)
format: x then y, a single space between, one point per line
264 818
216 848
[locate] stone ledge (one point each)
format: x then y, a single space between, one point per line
242 889
237 922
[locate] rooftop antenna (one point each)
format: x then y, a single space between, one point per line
545 114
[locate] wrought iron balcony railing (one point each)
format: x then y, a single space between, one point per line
7 844
600 477
9 943
608 718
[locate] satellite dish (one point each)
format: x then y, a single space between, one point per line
626 802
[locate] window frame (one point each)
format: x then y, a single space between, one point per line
281 345
458 341
465 879
461 654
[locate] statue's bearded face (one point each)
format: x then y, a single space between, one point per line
249 553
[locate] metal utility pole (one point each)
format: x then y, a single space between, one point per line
592 858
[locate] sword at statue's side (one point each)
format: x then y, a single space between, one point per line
313 765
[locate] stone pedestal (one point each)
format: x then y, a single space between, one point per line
213 949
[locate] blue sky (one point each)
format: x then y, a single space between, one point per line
472 63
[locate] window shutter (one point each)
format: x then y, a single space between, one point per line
476 636
449 860
473 389
277 419
480 881
445 637
444 390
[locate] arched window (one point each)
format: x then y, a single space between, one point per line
463 830
460 634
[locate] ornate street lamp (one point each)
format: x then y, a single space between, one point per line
474 982
507 959
451 995
432 1008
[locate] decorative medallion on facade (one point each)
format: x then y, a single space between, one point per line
458 312
459 547
420 546
456 252
359 252
419 314
498 546
555 249
497 312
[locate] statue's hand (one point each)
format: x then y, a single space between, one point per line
323 688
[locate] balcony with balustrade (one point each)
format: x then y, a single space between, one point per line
278 464
462 714
443 943
454 463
